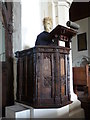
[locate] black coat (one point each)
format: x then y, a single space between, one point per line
43 39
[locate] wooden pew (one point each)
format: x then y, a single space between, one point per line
81 77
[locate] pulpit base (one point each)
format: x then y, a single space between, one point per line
72 110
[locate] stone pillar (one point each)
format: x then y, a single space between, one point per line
63 11
17 42
53 15
63 17
55 12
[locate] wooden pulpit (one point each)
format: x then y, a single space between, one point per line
43 72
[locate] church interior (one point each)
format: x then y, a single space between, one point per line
45 81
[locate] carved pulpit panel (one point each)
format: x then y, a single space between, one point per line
46 69
43 72
62 65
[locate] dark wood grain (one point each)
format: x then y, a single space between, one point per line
40 84
7 65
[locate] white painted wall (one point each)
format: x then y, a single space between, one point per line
45 11
31 22
2 42
17 43
0 39
77 55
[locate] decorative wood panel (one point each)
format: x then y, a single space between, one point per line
41 77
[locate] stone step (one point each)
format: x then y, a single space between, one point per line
17 111
74 105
